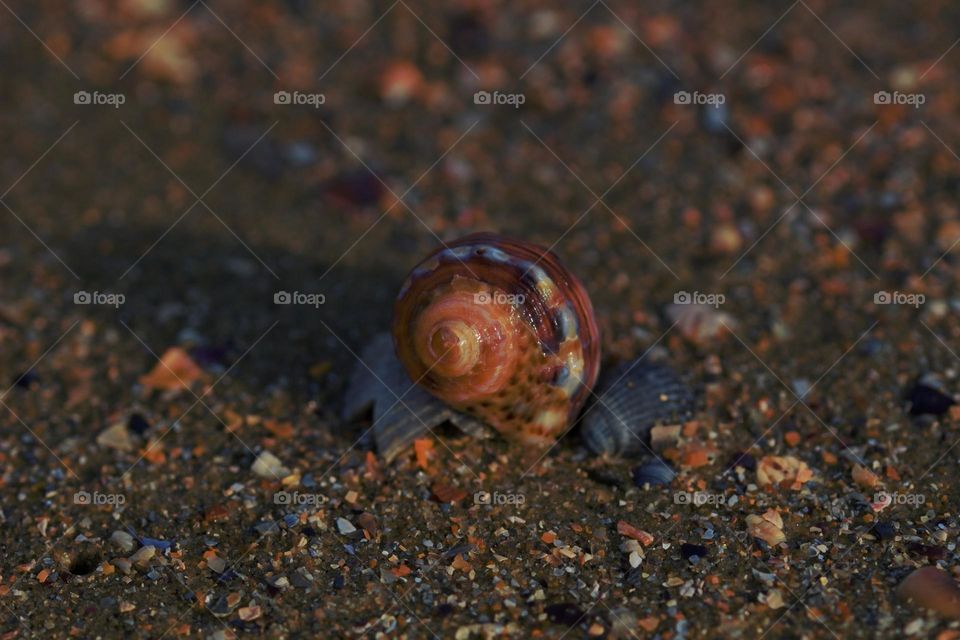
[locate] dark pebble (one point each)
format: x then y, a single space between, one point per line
884 530
26 380
927 397
565 613
653 473
693 552
338 582
634 577
744 460
138 424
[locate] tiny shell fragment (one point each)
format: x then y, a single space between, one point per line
700 323
783 471
269 466
768 527
626 529
176 370
116 437
864 477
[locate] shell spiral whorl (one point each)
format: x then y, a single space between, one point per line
499 329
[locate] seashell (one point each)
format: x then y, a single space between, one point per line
498 329
653 473
631 400
402 411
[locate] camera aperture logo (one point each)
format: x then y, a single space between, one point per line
912 99
709 99
499 297
314 300
498 499
97 499
97 98
712 299
295 498
114 300
299 98
898 297
498 98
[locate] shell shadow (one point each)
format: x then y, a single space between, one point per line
209 291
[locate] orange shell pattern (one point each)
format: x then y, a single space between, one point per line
499 329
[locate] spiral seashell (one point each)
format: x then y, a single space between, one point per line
498 329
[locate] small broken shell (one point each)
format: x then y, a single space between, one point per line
653 473
402 411
631 400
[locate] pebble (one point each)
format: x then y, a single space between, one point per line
278 582
220 607
123 540
143 556
138 424
884 530
368 522
216 564
345 527
302 578
744 460
269 466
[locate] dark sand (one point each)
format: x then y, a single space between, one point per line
303 197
